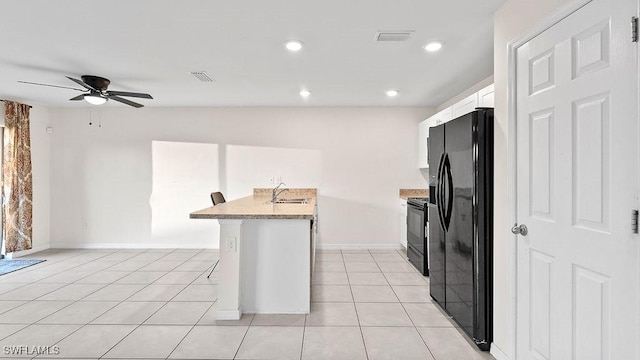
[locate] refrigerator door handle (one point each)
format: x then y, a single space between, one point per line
449 207
439 191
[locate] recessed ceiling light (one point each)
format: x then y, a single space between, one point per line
392 93
293 45
433 46
305 93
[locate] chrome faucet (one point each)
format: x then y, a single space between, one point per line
275 192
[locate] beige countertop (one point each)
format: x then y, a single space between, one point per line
407 193
259 206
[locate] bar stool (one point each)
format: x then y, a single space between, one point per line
217 198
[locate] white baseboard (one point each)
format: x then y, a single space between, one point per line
181 245
497 353
359 246
184 245
18 254
228 314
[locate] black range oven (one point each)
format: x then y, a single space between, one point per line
417 244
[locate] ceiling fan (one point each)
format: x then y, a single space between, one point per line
97 93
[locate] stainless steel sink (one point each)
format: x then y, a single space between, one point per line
292 201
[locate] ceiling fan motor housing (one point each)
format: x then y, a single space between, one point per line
96 82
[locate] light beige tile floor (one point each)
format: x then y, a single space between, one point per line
367 279
159 304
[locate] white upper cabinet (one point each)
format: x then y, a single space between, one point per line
465 105
485 96
441 117
423 135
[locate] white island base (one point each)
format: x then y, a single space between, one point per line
265 267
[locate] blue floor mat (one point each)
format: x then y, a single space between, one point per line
7 266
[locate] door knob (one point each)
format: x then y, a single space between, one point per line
520 229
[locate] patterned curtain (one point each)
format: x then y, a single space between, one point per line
17 184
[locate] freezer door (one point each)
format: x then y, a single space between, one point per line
459 243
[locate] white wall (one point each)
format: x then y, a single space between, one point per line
510 21
134 180
39 117
40 164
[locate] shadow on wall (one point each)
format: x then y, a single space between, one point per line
184 174
425 174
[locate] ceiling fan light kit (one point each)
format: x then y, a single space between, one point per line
97 91
95 99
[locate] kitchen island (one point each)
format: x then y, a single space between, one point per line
267 253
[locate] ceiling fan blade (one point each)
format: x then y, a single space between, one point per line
130 94
79 97
124 101
81 83
56 86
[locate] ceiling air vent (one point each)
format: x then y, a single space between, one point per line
202 76
393 36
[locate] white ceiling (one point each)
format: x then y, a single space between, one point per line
151 46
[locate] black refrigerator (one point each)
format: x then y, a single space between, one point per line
461 221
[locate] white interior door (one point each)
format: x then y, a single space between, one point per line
577 182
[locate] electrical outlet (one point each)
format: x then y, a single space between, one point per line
230 244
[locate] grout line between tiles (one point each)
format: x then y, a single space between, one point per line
22 328
192 327
198 278
118 303
304 330
139 325
364 344
243 337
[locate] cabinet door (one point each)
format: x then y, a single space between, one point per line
445 115
403 223
314 233
441 117
465 105
485 96
423 134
